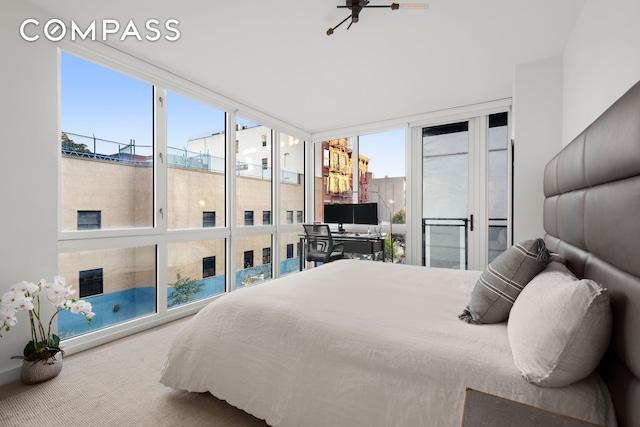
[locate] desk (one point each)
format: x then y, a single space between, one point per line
352 243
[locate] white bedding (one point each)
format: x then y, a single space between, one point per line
359 343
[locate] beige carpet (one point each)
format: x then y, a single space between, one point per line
117 384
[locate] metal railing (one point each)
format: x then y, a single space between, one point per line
445 241
90 147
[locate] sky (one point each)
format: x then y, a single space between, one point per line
105 104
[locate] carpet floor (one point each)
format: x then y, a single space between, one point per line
117 384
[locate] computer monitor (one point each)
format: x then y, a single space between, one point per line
338 214
365 213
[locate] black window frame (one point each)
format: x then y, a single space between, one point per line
86 222
208 219
248 259
91 282
208 266
289 250
248 217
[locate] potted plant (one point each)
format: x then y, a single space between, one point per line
42 354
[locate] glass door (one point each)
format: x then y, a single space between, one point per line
445 195
465 194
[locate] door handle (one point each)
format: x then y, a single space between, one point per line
471 222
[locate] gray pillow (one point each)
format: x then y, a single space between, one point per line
502 281
559 327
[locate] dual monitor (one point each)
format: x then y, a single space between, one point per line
351 213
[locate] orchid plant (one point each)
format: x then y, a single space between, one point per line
26 296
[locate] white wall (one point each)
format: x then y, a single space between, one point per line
28 176
537 132
601 61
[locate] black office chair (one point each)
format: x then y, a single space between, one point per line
319 244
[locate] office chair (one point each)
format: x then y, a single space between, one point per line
319 244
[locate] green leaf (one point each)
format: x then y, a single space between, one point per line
54 341
29 349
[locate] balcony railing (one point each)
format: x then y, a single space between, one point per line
445 241
101 149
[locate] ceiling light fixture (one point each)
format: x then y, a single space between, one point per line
357 5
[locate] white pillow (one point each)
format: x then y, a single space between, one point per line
559 327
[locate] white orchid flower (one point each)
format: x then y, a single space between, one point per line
7 314
18 300
9 297
23 303
25 287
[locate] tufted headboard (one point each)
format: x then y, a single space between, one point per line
592 218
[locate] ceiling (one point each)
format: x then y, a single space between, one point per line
275 56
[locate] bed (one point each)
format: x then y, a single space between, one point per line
356 343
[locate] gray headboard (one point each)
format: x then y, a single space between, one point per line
592 218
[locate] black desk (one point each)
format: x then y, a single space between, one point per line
352 243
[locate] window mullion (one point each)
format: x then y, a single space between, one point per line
230 196
160 194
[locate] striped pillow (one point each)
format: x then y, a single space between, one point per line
502 281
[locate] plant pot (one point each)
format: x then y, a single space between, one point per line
41 370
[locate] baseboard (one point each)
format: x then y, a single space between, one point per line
10 375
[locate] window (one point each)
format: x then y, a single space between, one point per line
208 266
90 282
289 264
289 217
160 204
498 165
208 219
325 157
266 255
248 217
254 181
89 220
248 259
105 140
186 262
113 138
291 176
299 216
338 178
195 163
253 271
122 289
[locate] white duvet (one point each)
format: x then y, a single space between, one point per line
359 343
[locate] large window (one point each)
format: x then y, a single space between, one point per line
195 271
119 283
253 168
367 168
106 150
195 163
498 165
255 254
334 173
289 253
291 178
